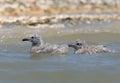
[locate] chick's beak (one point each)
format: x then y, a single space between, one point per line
71 45
25 39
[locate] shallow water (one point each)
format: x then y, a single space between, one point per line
18 66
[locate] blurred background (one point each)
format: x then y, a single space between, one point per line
43 7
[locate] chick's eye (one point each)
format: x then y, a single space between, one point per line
32 37
78 44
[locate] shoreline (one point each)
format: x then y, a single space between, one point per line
47 20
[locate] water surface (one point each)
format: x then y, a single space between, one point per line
18 66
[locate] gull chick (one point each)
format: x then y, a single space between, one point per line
80 47
39 46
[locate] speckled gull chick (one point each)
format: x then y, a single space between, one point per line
39 46
80 47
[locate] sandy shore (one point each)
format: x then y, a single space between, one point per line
49 12
45 7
